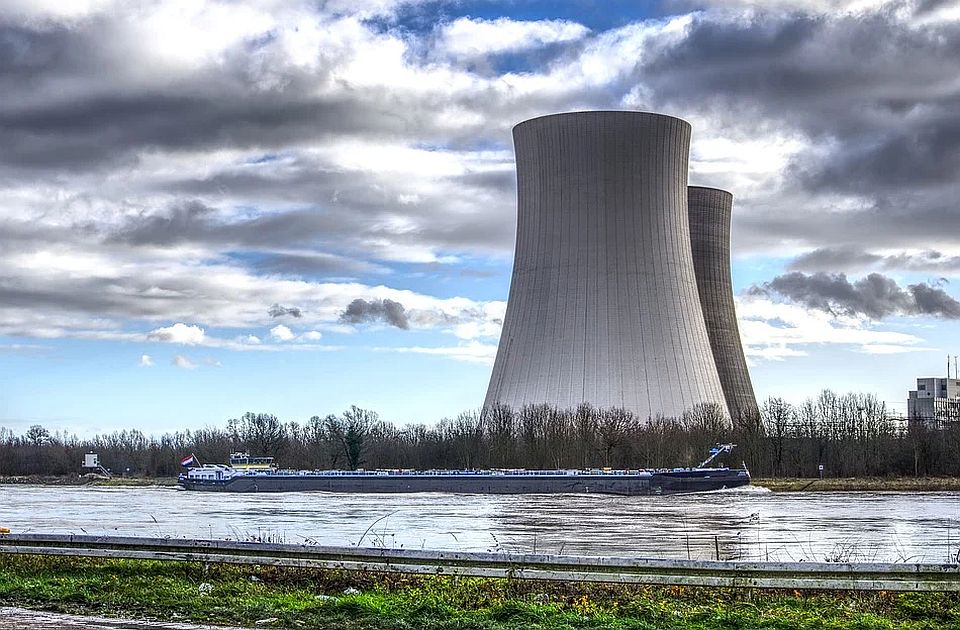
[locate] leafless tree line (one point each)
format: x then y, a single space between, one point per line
850 435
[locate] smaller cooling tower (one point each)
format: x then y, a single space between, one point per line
710 211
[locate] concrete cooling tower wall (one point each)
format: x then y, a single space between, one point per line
710 212
603 304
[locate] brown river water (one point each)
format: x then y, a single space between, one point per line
746 523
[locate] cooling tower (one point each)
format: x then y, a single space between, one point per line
603 305
710 211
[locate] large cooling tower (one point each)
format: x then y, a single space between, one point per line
603 304
710 210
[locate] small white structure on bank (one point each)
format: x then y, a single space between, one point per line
91 462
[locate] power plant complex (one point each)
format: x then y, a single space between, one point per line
621 294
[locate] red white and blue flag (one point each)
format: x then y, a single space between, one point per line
188 461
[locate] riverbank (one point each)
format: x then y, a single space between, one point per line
277 597
88 480
862 484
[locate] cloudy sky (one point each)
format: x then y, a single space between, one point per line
214 206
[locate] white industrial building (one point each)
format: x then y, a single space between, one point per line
936 400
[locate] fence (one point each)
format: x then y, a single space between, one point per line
794 575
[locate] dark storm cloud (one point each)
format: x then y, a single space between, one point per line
833 259
808 72
84 107
362 311
313 264
853 259
795 68
112 128
189 217
97 296
875 295
69 104
875 95
344 209
921 154
283 311
928 6
195 222
927 261
935 301
882 221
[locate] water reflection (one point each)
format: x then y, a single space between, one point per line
748 523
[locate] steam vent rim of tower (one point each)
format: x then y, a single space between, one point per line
714 189
600 112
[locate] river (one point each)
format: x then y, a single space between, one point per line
747 523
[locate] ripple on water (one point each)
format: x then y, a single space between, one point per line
747 523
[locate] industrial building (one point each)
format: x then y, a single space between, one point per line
935 401
604 306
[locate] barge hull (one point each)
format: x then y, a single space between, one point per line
628 485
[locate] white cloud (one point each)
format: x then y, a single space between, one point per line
52 10
473 352
281 333
184 363
23 348
775 331
879 348
146 361
831 7
178 333
470 37
188 35
389 175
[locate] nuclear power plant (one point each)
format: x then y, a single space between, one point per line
611 303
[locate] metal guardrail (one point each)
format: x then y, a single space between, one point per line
728 574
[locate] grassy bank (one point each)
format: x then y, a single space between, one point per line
873 484
86 480
298 598
136 481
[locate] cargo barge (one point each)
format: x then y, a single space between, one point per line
242 477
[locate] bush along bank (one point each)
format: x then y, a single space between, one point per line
849 435
302 598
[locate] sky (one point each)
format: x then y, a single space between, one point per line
209 207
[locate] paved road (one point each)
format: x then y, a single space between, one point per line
20 619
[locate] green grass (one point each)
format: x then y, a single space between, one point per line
301 598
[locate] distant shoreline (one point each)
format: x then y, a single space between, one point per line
785 484
861 484
86 480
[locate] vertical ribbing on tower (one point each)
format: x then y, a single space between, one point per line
710 211
603 305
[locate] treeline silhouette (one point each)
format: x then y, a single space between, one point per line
850 435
